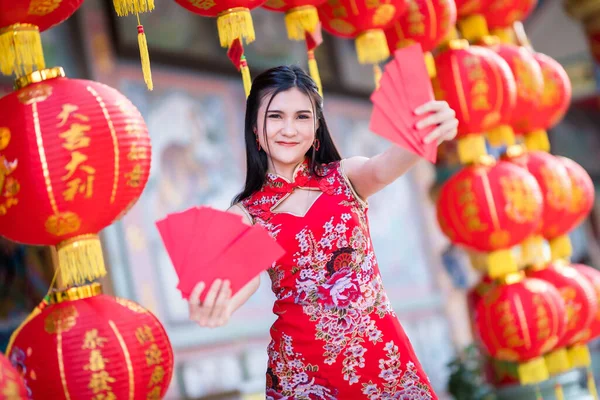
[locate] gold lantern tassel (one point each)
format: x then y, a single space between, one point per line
300 20
430 64
502 135
235 23
591 383
20 50
471 148
144 56
246 79
559 392
377 72
561 248
313 69
80 260
372 47
126 7
537 140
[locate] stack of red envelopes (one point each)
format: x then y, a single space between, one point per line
205 244
404 86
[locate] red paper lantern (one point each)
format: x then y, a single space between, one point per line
479 86
553 105
93 346
21 22
365 21
465 8
580 306
490 208
12 386
529 89
593 277
75 156
519 322
502 13
425 22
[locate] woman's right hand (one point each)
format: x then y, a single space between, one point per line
216 308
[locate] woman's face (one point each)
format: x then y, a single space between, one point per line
290 128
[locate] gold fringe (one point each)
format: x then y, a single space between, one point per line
471 148
127 7
300 20
473 27
561 248
591 383
372 47
235 23
532 372
377 73
506 35
145 57
502 135
537 140
246 79
313 69
558 392
20 50
501 263
557 361
535 251
579 356
80 260
430 63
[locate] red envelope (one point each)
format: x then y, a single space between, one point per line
180 227
253 252
381 125
235 53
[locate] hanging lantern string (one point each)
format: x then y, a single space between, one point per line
144 55
313 70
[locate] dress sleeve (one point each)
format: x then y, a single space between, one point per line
246 212
362 202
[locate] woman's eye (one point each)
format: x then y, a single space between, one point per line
274 116
303 116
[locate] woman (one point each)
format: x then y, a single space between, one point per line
336 336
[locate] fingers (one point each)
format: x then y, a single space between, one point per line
431 106
436 118
196 293
219 311
446 131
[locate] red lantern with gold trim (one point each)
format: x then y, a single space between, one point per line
12 386
593 277
581 201
520 321
75 156
581 306
479 85
89 345
365 21
529 89
425 22
555 184
490 208
21 22
553 105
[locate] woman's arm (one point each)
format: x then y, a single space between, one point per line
370 175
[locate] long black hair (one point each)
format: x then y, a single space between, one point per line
264 88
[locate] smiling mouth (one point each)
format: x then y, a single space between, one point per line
287 144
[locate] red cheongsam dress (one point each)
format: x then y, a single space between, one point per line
336 335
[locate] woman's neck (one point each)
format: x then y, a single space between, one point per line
286 171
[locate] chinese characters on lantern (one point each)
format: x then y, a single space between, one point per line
339 11
43 7
9 186
510 331
136 153
79 176
572 308
521 205
542 320
100 379
479 86
416 20
470 211
557 197
154 360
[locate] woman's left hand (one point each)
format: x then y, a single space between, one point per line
441 116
